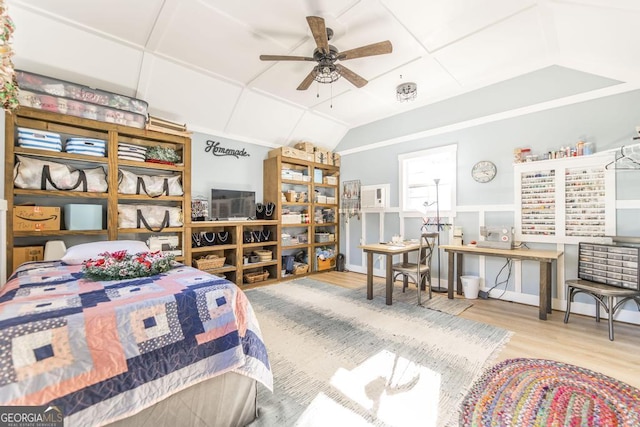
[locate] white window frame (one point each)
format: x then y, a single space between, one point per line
430 210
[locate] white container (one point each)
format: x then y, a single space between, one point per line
82 217
470 286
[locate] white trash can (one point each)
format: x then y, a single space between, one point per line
470 286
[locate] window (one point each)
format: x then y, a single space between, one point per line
418 174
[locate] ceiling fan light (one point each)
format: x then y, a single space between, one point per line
406 92
325 73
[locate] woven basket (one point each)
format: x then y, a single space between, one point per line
300 268
208 262
264 255
256 277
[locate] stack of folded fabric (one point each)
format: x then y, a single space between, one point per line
86 146
131 152
39 139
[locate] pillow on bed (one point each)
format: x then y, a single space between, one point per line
80 253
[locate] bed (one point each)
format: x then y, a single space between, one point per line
179 348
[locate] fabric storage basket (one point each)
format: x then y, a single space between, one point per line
35 174
86 146
151 185
39 139
152 217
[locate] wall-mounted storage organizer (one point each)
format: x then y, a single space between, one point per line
565 200
615 265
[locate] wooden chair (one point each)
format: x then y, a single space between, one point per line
418 272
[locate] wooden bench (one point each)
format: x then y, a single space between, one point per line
604 295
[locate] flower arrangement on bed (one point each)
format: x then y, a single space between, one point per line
111 329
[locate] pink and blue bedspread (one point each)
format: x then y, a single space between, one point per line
104 350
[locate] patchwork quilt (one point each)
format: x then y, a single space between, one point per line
103 350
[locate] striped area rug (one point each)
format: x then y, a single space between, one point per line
538 392
340 359
438 301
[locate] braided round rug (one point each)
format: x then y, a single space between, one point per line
536 392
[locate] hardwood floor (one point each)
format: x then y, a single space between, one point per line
581 342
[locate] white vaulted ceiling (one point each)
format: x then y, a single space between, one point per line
197 61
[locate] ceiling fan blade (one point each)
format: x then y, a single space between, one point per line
306 82
319 31
355 79
285 58
379 48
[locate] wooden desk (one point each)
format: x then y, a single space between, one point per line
545 258
389 250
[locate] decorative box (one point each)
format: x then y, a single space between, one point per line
291 152
305 146
321 156
331 180
82 217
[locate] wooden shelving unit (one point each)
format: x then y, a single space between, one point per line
237 249
70 126
306 205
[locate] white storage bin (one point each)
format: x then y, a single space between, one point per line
291 219
82 217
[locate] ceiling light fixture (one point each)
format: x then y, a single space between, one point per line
326 73
406 92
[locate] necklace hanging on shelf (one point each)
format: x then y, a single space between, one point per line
196 239
259 211
269 210
210 237
223 237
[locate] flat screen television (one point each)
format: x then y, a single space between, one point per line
232 204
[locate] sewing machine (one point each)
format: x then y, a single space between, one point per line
496 237
166 244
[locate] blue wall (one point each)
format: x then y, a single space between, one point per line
608 122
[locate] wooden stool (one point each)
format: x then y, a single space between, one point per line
603 294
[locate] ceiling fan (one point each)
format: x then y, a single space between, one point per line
326 55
